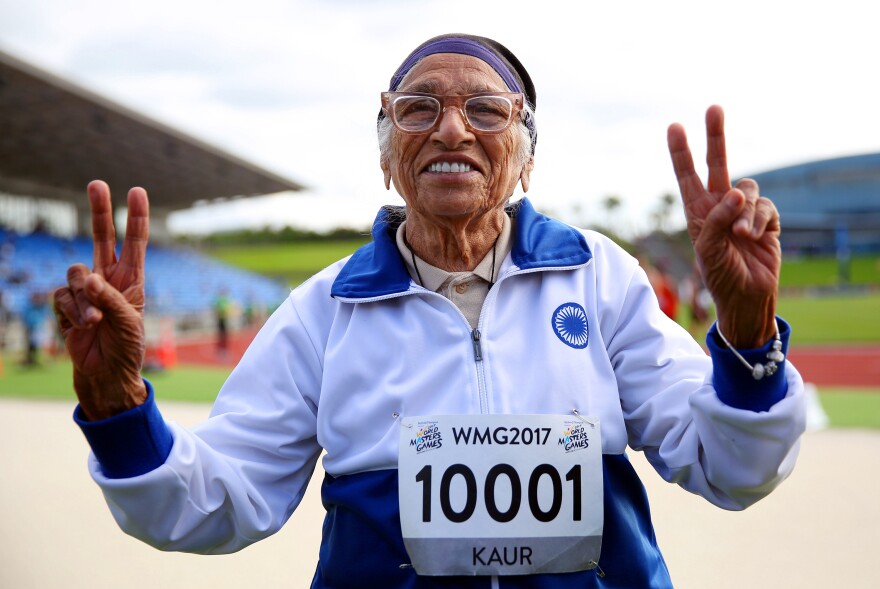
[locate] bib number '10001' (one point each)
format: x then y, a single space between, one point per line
501 494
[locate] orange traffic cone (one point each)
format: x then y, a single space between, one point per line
167 352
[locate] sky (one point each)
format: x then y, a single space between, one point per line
293 86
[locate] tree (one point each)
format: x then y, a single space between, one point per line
611 204
664 211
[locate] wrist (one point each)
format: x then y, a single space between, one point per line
101 399
759 369
748 324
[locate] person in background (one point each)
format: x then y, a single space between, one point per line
221 316
35 319
664 287
5 317
700 302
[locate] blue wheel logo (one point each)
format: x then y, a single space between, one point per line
570 325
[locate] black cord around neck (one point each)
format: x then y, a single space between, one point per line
419 274
413 254
494 251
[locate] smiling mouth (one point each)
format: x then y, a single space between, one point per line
449 168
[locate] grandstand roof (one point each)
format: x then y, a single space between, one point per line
55 137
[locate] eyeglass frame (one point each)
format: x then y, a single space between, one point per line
517 102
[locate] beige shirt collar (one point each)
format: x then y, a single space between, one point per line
435 277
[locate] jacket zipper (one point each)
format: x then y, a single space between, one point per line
481 372
478 349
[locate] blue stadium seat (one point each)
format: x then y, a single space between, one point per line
179 281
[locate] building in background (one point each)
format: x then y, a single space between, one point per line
829 206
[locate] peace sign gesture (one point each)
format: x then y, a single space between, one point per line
735 233
100 311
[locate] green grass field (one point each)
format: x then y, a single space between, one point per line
839 319
293 263
834 319
852 407
824 272
52 379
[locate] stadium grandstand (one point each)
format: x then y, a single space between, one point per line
827 207
54 138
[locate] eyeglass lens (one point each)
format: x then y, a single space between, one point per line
483 113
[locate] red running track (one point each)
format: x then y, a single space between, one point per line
842 366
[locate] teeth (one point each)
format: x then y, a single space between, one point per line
446 167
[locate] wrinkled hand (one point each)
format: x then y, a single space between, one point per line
100 311
735 233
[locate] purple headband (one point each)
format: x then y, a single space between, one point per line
463 47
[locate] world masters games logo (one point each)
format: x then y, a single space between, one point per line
427 437
569 322
574 438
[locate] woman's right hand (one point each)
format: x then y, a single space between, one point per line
100 311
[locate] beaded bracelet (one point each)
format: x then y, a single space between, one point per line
774 356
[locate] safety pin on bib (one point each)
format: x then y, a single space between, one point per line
582 418
396 417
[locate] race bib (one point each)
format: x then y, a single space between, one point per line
501 494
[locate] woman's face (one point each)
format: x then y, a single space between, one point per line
492 165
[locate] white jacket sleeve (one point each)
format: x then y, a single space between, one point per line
238 476
733 457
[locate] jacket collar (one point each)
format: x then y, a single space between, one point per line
377 270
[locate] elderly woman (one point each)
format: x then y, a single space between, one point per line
474 374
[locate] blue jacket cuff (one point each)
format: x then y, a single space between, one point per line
734 382
131 443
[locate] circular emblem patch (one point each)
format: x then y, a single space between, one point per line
570 324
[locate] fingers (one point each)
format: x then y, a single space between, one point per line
743 212
759 214
72 305
64 306
106 298
87 298
103 231
743 225
720 219
766 218
716 156
716 150
134 248
683 163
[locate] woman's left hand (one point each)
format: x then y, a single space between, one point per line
735 233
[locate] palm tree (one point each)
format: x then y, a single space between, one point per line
611 204
664 211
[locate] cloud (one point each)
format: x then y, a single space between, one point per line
146 54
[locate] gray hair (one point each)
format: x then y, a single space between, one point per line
385 127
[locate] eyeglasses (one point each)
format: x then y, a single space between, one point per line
418 112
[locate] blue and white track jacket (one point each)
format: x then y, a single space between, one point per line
360 343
